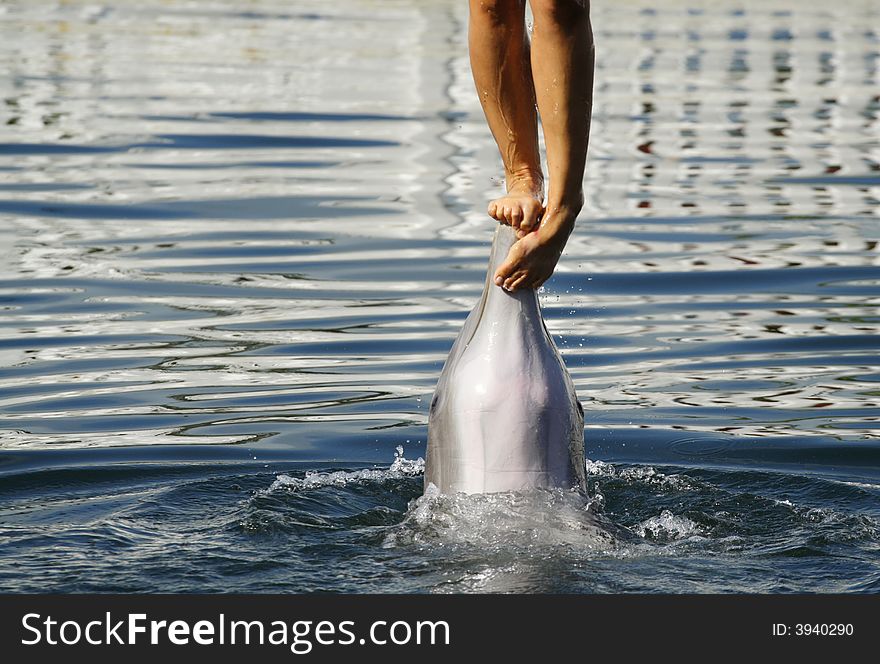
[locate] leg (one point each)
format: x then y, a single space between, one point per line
499 51
562 66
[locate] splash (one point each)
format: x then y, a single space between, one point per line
526 522
641 475
522 523
400 468
667 527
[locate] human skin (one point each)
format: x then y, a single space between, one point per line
512 76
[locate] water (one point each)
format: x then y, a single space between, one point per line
236 243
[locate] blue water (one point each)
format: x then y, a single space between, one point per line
235 248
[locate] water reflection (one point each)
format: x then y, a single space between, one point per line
228 241
220 231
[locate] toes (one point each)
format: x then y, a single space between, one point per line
516 281
531 217
505 272
516 217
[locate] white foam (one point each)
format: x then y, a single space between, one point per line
401 467
641 475
667 526
521 521
598 467
860 485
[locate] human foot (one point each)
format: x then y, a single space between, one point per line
533 258
522 206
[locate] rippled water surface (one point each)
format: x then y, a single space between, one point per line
238 239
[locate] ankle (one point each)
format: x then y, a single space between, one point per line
525 179
568 205
555 229
559 219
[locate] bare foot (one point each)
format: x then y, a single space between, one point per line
534 256
523 205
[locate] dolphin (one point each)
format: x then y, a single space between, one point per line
505 415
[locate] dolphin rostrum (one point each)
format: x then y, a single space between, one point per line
505 415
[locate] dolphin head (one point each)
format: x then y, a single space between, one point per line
504 415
